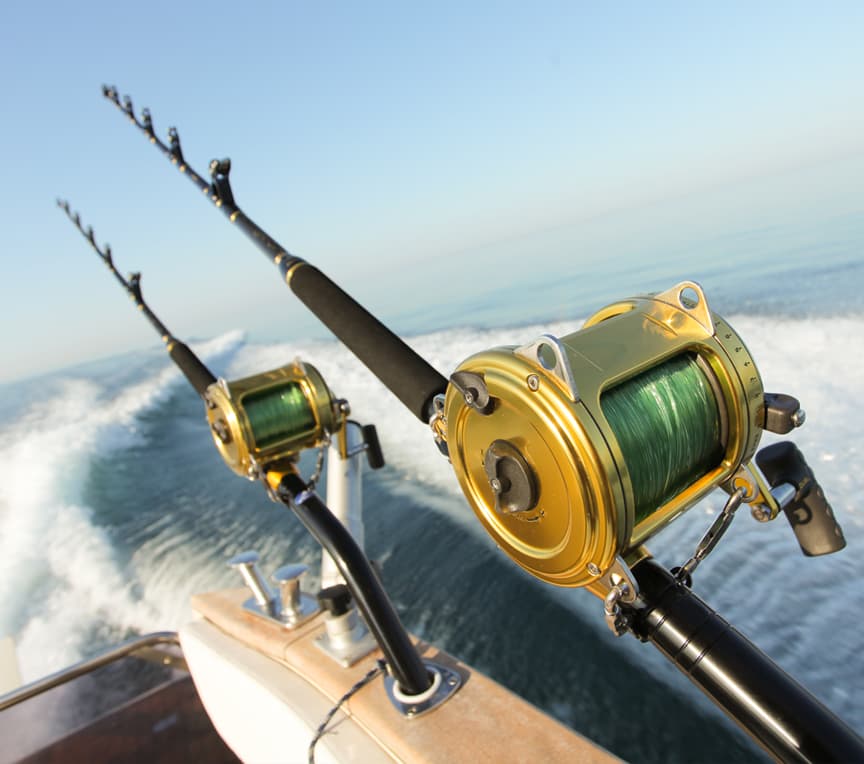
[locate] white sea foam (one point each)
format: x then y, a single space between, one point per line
59 575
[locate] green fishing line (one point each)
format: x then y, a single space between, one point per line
667 424
278 414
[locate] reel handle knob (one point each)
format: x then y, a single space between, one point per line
808 511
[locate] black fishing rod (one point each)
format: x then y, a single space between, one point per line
193 369
236 431
574 451
414 381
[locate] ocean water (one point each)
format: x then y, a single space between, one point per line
115 507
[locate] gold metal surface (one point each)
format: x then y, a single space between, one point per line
290 272
546 398
232 431
757 491
575 521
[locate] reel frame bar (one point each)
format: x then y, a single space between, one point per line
198 375
403 371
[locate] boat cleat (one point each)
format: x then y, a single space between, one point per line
288 606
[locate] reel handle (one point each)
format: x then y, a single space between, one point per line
809 512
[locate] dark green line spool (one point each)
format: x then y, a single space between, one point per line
279 414
667 423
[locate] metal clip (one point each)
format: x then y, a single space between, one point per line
713 535
438 425
616 619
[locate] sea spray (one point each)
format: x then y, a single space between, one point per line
60 578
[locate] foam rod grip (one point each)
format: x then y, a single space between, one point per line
193 369
408 376
809 513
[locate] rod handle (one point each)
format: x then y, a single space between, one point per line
199 376
403 660
406 374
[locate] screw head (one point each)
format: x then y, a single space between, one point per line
760 512
593 569
533 382
496 485
220 429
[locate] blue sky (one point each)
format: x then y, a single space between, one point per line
365 136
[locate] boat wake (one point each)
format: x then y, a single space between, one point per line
73 576
61 581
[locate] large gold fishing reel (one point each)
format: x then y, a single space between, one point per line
573 451
260 420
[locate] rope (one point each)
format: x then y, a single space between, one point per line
380 666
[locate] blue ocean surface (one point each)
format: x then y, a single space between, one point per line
115 507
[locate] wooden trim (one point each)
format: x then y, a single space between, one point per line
482 722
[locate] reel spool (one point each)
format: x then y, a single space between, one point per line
267 417
574 451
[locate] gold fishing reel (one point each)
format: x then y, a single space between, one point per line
270 417
573 451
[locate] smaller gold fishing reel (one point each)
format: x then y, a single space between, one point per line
273 416
573 451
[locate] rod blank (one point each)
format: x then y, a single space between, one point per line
198 375
403 371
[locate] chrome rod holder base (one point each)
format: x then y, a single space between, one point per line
445 683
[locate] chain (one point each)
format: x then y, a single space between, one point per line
319 465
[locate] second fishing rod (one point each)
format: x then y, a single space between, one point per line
260 425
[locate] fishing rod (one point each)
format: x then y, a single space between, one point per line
193 369
260 424
574 451
414 381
